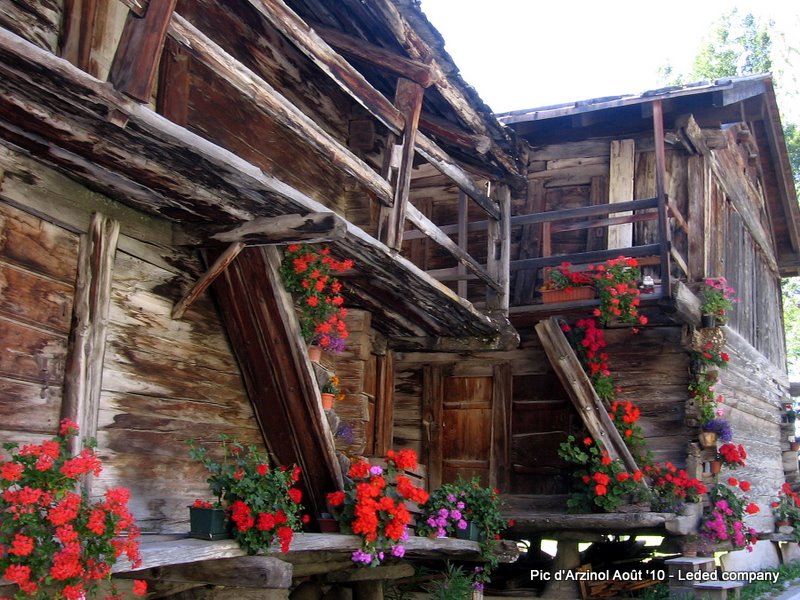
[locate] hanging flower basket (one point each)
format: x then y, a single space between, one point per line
708 439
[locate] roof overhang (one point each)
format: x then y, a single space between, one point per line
85 129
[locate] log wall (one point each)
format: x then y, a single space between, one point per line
164 381
754 391
38 262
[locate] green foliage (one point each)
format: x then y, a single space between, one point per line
456 585
791 322
263 502
737 45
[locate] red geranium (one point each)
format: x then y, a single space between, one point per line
49 535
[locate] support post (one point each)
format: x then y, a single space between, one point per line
498 257
87 339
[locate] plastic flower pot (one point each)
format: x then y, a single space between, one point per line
208 523
707 321
470 532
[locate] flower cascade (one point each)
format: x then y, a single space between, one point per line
262 501
601 482
718 298
308 273
372 505
725 522
54 542
616 282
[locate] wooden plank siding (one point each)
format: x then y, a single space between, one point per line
164 382
38 266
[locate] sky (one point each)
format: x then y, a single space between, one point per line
530 53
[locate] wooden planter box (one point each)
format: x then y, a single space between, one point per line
576 293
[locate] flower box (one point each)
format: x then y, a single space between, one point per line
208 523
567 295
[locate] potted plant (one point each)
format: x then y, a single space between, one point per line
717 429
718 299
731 455
262 500
329 392
54 541
561 284
208 521
308 274
724 522
786 509
789 414
373 506
445 511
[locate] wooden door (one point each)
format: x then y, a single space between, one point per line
466 428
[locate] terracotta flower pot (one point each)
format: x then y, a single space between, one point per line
314 353
327 400
575 293
716 466
794 446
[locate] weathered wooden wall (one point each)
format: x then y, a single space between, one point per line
754 391
37 283
164 381
38 21
651 368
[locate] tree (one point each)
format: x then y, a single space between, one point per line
736 46
739 46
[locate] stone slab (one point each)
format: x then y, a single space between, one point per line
763 556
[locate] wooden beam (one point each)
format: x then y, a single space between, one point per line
384 403
463 241
432 379
418 72
139 51
76 45
398 571
447 131
270 101
303 548
424 224
87 341
240 572
261 322
202 284
498 254
620 185
431 152
311 228
172 99
408 100
501 426
664 232
530 244
285 20
586 257
580 390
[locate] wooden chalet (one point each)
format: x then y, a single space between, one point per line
156 155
